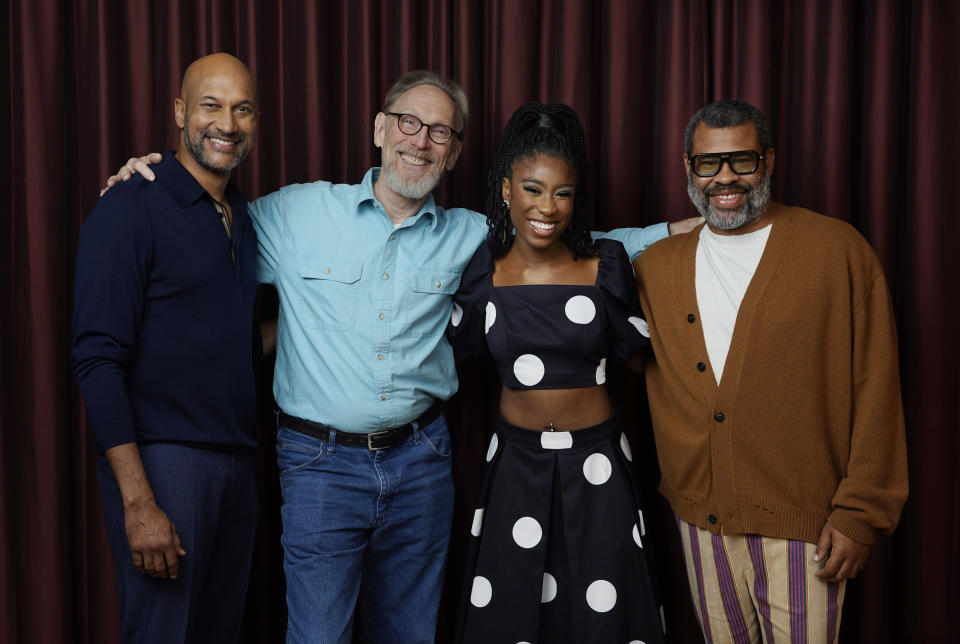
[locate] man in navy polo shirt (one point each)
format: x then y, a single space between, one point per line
163 351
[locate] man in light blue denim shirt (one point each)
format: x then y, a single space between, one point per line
366 275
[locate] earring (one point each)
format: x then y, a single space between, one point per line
506 204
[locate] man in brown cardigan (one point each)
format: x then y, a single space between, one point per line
774 391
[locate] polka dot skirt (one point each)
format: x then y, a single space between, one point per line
556 548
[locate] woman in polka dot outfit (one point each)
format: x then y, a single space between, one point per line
556 548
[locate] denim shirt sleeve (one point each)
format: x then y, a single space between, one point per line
636 240
266 213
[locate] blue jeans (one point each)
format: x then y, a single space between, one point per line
366 529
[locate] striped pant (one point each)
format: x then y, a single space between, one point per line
748 589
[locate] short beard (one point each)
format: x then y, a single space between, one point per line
757 199
195 146
411 189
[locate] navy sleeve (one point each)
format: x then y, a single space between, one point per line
467 328
627 334
113 260
257 343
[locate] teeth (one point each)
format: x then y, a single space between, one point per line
542 225
412 160
220 141
728 196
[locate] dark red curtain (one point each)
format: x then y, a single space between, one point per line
862 97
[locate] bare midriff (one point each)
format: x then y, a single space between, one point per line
561 410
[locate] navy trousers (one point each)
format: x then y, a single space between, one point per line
211 498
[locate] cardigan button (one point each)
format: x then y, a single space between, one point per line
691 318
701 366
712 518
719 417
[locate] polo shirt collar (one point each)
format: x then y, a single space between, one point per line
365 193
182 185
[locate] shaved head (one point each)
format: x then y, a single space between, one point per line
217 113
219 64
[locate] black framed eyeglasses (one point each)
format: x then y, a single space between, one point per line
439 134
740 162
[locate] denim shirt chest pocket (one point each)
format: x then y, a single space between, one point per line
329 288
427 299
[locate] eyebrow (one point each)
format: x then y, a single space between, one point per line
417 116
207 97
541 183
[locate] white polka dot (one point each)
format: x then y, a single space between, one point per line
482 592
601 595
636 535
492 449
457 316
597 469
491 317
527 532
549 591
641 325
528 369
602 371
556 440
625 446
477 522
580 309
643 528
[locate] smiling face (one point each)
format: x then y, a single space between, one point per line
541 192
217 113
411 164
731 203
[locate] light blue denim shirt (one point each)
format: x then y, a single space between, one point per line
364 306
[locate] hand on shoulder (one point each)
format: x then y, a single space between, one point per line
684 225
133 165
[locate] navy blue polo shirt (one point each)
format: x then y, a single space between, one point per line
164 340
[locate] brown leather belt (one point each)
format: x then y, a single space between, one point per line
372 441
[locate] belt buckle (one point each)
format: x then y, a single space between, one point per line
370 441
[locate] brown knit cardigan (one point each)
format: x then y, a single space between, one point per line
806 426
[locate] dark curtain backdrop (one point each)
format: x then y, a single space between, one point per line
862 97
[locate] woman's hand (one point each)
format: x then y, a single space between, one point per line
675 227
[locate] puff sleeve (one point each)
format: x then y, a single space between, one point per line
468 320
627 332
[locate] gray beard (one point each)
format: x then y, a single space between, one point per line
414 190
195 146
757 199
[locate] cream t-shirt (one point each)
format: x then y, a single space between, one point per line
725 266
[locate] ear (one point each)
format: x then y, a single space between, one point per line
454 155
768 159
379 124
686 164
180 112
505 189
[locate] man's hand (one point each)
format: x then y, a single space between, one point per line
682 226
846 556
135 164
154 542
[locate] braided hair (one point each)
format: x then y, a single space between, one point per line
553 130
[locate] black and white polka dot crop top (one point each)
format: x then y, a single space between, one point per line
550 336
